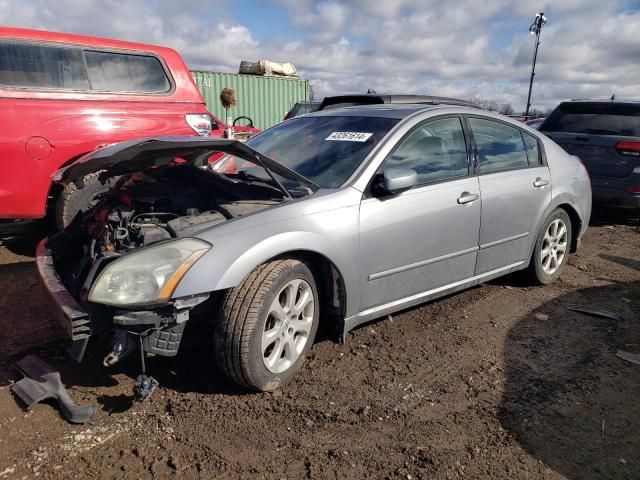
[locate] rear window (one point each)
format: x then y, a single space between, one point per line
595 118
31 65
41 66
126 72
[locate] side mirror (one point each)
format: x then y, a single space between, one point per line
397 180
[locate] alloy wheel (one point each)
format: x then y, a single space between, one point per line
554 246
288 325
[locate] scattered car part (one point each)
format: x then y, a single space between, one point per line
144 385
629 357
596 312
41 382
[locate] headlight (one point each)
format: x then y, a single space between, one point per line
148 276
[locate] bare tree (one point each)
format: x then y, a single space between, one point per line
486 104
507 109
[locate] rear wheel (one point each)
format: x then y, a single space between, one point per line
73 199
551 253
267 325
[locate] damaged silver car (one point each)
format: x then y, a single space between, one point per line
338 217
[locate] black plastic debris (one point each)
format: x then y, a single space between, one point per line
41 382
597 312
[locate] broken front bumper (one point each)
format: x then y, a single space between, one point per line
160 329
73 318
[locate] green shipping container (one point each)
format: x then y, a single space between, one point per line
263 99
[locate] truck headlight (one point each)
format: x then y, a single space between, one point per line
148 276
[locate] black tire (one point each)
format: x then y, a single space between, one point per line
241 322
537 273
73 199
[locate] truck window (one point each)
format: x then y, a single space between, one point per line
28 65
126 72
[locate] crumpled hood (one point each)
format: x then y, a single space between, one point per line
143 153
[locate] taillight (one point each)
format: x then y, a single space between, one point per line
629 148
633 189
199 123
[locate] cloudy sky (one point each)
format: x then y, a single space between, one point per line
462 48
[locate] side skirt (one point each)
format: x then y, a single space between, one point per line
376 312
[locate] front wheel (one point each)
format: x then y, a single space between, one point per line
73 199
267 325
551 251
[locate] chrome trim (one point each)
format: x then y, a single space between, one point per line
504 240
417 296
411 266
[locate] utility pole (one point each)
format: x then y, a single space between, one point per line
534 29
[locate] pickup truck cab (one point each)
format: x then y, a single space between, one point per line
63 95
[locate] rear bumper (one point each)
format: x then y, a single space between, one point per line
72 316
615 197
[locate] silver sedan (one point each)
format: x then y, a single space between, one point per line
338 217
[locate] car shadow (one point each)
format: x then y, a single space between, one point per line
627 262
568 400
602 215
21 238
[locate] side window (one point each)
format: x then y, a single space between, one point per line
436 151
126 72
533 149
500 147
41 66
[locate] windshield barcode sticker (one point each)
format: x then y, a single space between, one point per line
349 136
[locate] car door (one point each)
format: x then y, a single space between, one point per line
515 186
425 237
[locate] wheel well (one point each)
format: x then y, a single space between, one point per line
331 289
56 188
576 224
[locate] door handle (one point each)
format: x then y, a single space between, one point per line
466 197
540 183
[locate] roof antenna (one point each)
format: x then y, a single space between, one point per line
371 90
613 97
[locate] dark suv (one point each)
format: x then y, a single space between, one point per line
605 135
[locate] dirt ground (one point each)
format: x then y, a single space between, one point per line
501 381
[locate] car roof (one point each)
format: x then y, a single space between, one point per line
85 40
388 110
384 98
602 100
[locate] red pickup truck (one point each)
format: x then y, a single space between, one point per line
64 95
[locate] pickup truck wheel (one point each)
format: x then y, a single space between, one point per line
267 325
73 199
551 252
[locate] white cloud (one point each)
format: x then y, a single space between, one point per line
465 48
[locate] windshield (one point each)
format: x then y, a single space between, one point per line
326 150
595 118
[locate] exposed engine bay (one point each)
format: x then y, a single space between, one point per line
114 268
150 206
